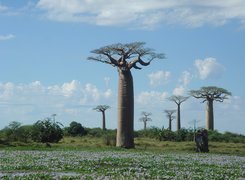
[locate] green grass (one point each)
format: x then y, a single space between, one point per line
141 144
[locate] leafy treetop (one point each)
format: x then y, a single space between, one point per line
126 56
212 93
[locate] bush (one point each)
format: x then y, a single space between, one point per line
46 131
109 139
166 135
76 129
226 137
15 132
184 135
152 132
95 132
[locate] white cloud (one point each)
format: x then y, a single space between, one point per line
185 78
152 97
158 78
69 88
3 8
179 91
208 68
184 81
144 13
72 101
6 37
70 94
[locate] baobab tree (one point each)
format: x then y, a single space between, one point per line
145 118
210 94
171 117
102 109
178 100
125 57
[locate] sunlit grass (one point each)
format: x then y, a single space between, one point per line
141 144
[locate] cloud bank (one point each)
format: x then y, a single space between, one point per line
6 37
159 78
68 98
209 68
144 13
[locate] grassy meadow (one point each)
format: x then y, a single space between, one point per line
93 158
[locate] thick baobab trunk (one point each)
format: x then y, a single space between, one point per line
125 128
178 117
103 121
209 115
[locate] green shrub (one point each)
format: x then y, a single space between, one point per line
76 129
47 131
95 132
109 139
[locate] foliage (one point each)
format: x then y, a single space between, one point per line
109 138
211 93
188 135
12 131
76 129
226 137
95 132
47 131
15 132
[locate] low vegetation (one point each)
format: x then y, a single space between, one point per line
91 153
75 136
118 164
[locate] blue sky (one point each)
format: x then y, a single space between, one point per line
44 45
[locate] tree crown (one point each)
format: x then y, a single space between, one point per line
101 108
145 116
178 99
125 56
212 93
169 113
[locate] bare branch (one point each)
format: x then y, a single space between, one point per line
178 99
126 56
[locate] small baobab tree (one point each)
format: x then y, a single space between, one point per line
102 109
125 57
210 94
145 118
178 100
171 117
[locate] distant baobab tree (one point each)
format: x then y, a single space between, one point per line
125 57
145 118
102 109
171 117
178 100
210 94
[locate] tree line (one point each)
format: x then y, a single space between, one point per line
48 131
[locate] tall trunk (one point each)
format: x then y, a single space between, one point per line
144 125
170 124
125 128
209 115
178 117
103 120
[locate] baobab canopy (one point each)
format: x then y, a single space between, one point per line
211 92
126 56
